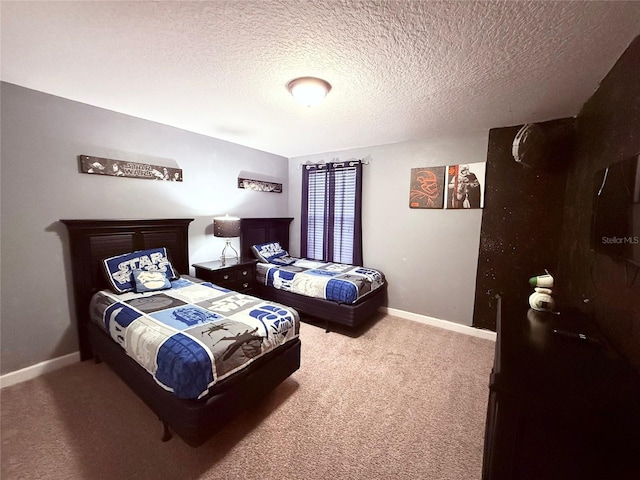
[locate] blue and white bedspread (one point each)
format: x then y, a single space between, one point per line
194 334
331 281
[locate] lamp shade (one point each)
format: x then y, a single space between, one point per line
226 227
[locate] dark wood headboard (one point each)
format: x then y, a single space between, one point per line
254 231
90 241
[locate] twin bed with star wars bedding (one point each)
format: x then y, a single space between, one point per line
188 335
337 282
348 295
195 352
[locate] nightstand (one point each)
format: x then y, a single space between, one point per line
237 275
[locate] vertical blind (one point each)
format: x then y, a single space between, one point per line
331 207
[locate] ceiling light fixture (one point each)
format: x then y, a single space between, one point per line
308 91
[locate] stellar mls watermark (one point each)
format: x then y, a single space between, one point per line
620 240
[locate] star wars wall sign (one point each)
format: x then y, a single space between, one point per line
123 168
259 185
427 187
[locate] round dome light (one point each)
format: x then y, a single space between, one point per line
309 91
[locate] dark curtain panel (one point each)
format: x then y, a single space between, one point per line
357 226
304 223
332 212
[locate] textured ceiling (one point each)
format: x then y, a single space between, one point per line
400 70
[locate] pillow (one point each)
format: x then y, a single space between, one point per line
148 281
272 252
118 269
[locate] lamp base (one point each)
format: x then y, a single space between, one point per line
223 257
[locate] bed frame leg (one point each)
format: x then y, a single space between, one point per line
326 327
166 435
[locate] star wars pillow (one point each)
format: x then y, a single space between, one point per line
119 269
149 281
272 252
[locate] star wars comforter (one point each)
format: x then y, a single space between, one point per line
194 334
331 281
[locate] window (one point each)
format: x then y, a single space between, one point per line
332 213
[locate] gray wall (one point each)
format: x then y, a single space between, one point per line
42 135
428 256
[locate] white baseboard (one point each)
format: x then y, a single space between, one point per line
38 369
436 322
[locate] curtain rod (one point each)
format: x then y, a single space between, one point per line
340 164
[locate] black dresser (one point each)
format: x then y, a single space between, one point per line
561 406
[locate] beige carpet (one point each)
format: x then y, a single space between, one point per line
402 400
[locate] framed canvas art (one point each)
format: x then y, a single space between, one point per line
427 187
465 185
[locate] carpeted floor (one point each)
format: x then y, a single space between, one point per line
401 400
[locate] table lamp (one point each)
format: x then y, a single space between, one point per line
226 227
